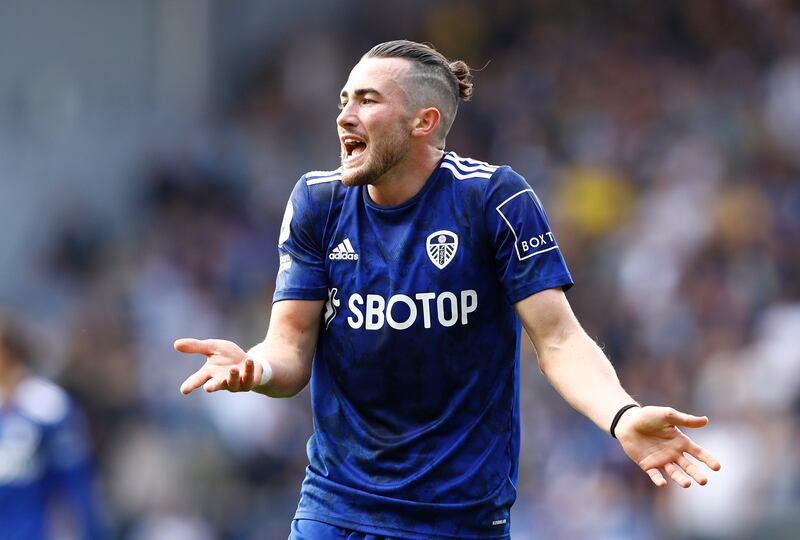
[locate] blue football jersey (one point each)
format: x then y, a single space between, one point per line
415 379
43 456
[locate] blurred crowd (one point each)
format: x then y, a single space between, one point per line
664 141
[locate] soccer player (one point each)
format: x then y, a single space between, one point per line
406 275
44 458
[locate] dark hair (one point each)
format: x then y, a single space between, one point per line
13 340
457 72
447 82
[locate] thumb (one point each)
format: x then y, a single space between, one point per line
682 419
194 346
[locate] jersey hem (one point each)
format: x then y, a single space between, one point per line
387 531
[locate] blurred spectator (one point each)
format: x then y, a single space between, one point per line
46 477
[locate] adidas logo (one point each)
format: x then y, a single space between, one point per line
344 252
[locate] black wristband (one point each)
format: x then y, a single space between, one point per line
618 416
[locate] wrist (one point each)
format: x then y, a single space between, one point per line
266 370
618 417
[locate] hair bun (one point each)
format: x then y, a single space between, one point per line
461 70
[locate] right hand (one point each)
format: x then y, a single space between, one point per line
227 366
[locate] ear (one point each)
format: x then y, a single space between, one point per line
425 122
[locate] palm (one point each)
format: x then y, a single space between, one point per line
651 438
227 366
221 361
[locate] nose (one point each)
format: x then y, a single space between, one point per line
347 116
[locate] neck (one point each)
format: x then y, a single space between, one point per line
406 178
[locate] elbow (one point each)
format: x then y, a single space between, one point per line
541 366
296 389
549 355
283 392
556 345
544 364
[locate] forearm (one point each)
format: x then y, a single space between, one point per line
288 347
290 371
580 371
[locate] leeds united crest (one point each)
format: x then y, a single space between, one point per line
441 247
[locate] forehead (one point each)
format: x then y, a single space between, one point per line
382 74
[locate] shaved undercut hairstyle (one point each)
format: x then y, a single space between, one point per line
433 79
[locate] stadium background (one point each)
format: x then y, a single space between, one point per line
147 150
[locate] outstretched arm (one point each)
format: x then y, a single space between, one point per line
581 373
287 349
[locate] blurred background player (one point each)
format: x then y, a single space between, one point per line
46 479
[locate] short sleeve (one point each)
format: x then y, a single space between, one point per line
527 256
301 273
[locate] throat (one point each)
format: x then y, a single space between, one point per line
396 186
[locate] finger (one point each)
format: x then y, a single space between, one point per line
214 385
704 456
194 381
656 476
677 418
195 346
233 379
248 378
677 475
692 470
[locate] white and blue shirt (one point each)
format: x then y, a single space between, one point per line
415 380
43 457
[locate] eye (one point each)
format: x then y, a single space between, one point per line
367 101
341 105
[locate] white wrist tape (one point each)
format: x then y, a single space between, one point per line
266 371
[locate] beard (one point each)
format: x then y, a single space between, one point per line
384 154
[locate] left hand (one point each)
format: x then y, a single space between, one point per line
651 438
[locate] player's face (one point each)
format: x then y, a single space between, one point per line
374 125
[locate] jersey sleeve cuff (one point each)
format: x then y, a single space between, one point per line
300 294
563 281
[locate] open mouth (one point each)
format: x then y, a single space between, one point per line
353 148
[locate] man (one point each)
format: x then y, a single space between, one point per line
44 458
405 275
